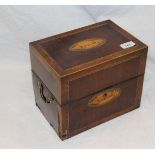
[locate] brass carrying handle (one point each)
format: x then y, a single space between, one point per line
47 100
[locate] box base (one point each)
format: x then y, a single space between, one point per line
94 124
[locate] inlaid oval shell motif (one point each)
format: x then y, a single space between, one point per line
87 44
104 97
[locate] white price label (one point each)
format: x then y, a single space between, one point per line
127 44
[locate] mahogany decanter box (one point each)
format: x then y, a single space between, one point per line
87 76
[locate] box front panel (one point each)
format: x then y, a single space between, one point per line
104 105
98 80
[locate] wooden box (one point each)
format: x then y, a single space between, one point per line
87 76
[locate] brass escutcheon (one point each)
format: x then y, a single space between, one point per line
104 97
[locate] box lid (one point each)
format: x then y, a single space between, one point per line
86 47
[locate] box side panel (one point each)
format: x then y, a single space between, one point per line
45 73
49 110
56 115
105 77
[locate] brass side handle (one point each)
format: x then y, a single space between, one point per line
47 100
105 97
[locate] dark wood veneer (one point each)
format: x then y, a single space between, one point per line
70 79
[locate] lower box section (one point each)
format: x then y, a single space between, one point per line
73 118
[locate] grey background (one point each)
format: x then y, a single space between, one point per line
21 123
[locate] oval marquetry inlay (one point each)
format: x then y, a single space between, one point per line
104 97
87 44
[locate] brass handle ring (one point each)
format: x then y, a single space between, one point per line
47 100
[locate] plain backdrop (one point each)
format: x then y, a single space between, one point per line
21 123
